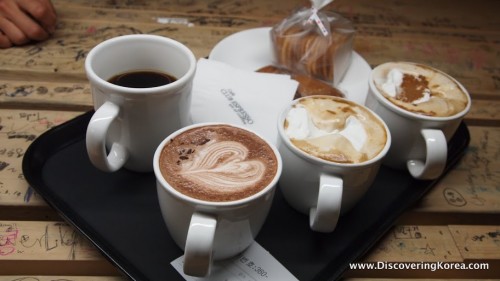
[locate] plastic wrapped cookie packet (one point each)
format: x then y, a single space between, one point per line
314 42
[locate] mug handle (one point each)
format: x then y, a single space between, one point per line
199 245
325 215
436 154
97 131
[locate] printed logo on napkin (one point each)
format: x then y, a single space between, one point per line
236 106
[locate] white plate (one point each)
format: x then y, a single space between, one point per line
252 49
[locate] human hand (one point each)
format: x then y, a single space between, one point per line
22 21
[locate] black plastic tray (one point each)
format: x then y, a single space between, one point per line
120 214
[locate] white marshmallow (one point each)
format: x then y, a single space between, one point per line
393 83
354 132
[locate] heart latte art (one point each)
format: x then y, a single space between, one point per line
223 165
218 163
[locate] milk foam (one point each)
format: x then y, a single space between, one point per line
420 89
335 130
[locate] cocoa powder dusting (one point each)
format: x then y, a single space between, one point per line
412 88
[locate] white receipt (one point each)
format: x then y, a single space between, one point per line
255 264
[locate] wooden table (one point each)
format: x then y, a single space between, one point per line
44 84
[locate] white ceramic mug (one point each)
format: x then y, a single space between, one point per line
322 189
419 142
208 230
131 122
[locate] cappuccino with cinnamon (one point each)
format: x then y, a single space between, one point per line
218 163
420 89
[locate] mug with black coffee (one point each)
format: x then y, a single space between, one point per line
215 185
141 88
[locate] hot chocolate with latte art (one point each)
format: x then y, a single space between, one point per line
218 163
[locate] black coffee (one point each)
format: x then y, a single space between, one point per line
142 79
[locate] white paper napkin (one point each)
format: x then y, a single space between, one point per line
223 93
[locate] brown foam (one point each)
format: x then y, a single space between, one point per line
413 88
218 163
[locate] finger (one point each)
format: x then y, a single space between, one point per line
28 26
16 20
4 41
15 35
42 11
52 8
52 25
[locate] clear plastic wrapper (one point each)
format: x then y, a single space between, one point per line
314 42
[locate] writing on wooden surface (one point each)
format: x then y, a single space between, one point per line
18 129
238 7
472 186
47 92
477 242
66 52
55 240
12 89
410 243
